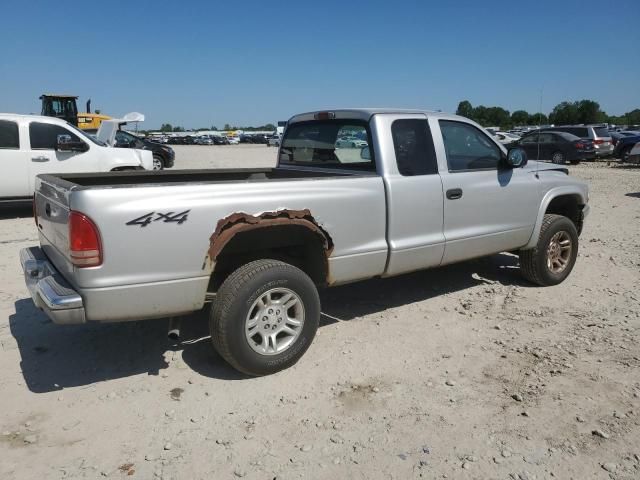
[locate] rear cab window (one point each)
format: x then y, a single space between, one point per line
337 144
9 139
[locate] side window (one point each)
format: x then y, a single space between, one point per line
547 138
467 148
44 136
122 140
414 149
9 135
528 139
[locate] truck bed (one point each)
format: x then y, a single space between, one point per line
164 177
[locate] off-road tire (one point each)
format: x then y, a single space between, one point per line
231 307
533 262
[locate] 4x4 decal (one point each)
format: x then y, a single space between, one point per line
169 217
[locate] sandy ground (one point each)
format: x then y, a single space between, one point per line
460 372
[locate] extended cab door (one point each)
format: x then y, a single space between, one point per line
13 162
414 192
488 208
45 158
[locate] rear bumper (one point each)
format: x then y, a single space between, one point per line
50 292
604 151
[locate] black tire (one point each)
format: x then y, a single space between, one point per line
624 153
231 307
158 158
533 262
558 158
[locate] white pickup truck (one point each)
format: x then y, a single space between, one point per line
31 145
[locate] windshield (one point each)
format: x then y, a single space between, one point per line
601 132
342 144
86 135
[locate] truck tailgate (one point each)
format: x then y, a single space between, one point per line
51 204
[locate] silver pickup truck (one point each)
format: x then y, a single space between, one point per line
356 194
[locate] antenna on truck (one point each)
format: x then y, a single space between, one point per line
539 126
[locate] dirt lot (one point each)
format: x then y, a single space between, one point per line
461 372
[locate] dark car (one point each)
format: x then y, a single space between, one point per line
262 139
246 139
175 141
558 147
219 140
598 134
163 156
623 142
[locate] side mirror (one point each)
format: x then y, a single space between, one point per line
365 153
64 143
516 157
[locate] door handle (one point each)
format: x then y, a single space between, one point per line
454 193
41 158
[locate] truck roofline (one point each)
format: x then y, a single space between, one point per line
365 114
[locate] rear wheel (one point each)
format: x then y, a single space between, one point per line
624 153
265 317
158 164
554 256
558 158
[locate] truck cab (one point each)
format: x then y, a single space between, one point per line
31 145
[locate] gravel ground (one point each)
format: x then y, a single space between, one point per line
460 372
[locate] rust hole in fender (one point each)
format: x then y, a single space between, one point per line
241 222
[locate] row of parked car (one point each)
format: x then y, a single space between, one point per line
256 138
573 143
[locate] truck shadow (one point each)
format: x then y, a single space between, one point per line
55 357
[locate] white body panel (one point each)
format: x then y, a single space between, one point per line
20 166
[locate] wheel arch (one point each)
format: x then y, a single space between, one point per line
567 201
292 236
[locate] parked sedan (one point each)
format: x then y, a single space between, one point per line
163 156
506 138
558 147
204 140
219 140
350 142
597 134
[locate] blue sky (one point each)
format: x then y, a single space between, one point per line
208 63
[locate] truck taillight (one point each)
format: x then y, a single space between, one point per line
85 249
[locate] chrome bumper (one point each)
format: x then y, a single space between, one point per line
50 292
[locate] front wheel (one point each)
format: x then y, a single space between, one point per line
554 256
558 158
157 163
264 317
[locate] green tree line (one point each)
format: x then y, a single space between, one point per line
565 113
